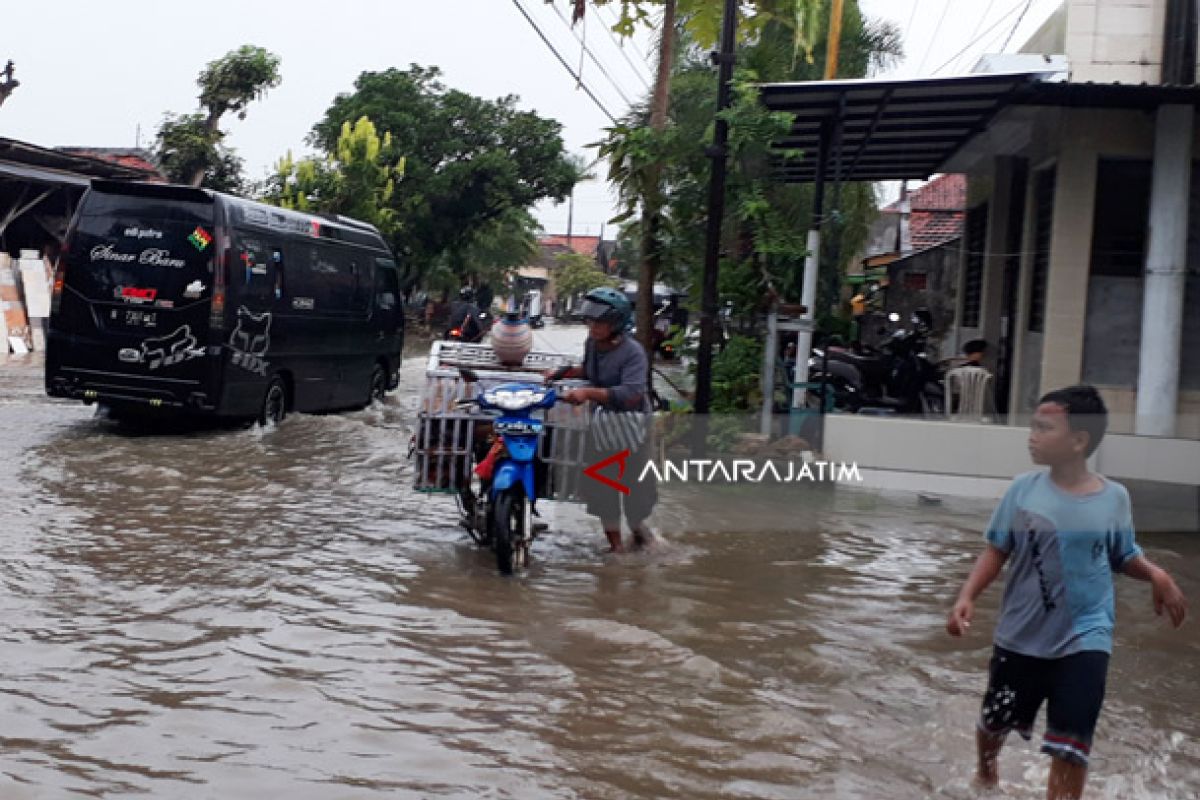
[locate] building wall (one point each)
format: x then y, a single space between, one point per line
1092 326
938 268
968 459
1115 41
1051 38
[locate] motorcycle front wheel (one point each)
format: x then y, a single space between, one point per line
510 529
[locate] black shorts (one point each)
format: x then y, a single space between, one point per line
1072 686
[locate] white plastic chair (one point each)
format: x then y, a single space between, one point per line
970 385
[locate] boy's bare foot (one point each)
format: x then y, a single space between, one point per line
986 783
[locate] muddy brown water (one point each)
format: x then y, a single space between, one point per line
247 613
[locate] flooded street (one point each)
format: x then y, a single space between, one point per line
249 613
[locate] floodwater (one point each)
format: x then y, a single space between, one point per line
248 614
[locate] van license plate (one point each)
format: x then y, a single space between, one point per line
134 318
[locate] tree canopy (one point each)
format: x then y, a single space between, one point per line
189 146
764 232
471 164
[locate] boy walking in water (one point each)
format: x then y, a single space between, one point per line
1065 532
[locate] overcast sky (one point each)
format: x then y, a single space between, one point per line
92 72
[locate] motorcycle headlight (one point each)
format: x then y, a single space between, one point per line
518 400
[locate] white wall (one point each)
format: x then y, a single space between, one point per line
1115 41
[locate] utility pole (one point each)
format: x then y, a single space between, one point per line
835 39
718 152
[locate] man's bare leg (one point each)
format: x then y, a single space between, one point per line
643 537
612 532
988 746
1066 780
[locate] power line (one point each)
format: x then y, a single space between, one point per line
588 50
637 51
976 40
1014 27
621 48
982 19
933 40
578 80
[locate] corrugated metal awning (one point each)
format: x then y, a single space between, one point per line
897 129
41 175
890 130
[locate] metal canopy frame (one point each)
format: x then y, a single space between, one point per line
884 130
870 130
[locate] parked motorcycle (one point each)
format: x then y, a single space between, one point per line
499 504
483 325
897 378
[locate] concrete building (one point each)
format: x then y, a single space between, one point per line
1080 257
540 274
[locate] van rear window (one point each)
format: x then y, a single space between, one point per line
142 250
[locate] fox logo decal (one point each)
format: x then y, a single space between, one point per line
173 348
250 340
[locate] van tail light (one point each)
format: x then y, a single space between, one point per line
216 314
60 278
455 333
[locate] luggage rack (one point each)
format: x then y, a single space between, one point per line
444 445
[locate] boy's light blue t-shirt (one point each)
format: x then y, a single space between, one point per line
1062 552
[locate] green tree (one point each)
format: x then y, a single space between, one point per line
766 221
185 148
472 162
189 146
575 274
635 169
355 181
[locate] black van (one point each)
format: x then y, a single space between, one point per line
174 298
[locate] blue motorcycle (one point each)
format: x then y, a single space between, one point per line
500 512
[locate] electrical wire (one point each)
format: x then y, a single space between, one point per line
621 48
976 40
578 80
936 31
588 51
614 19
1014 27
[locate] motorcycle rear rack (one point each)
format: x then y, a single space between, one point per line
443 446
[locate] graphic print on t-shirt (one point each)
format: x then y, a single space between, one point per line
1035 604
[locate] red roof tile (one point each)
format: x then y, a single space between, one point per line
584 245
943 193
931 228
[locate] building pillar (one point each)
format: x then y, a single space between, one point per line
1166 274
996 256
1070 266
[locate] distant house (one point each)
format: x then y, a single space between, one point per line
40 188
914 249
138 159
540 274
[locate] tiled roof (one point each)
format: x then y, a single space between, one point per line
931 228
135 159
584 245
943 193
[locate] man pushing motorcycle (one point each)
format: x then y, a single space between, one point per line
616 366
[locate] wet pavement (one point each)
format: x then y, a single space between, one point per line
246 613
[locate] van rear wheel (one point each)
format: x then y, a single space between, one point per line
274 407
379 384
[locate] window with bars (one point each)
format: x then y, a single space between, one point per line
976 241
1043 209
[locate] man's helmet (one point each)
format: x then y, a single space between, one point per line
466 293
608 305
